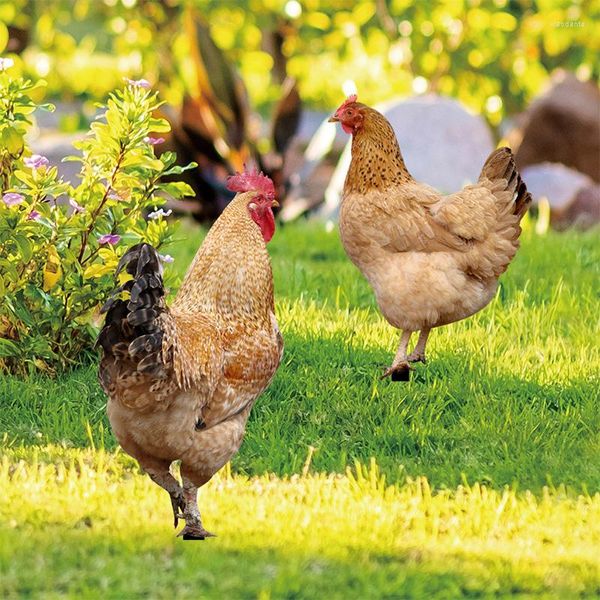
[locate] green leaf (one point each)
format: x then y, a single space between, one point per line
25 247
8 348
177 189
177 169
25 178
159 126
12 140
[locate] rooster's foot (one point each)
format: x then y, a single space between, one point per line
399 372
194 531
178 504
417 357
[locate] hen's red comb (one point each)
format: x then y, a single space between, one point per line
349 100
251 181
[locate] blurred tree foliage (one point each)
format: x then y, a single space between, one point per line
493 55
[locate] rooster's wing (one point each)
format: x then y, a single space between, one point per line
253 353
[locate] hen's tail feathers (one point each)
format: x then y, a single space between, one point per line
132 328
501 165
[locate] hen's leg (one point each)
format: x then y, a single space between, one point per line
193 530
400 369
418 354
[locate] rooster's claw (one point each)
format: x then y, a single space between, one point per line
417 357
191 532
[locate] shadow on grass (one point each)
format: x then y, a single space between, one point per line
79 562
453 420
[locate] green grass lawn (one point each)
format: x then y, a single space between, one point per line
488 461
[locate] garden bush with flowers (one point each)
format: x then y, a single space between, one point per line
60 242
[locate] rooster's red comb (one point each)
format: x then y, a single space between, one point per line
349 100
251 181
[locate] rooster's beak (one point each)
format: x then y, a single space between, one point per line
333 119
275 204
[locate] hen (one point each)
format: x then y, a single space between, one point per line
181 380
431 259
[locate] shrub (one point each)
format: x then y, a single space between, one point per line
59 243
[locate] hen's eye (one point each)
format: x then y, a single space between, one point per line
349 112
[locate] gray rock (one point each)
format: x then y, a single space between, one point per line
555 182
562 125
582 212
55 146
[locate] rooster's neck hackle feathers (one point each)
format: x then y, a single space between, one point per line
377 162
231 273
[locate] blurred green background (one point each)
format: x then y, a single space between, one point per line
493 55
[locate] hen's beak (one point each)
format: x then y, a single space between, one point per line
275 204
333 119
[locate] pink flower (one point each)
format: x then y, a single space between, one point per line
166 258
154 141
109 238
77 208
35 161
159 213
34 215
143 83
12 198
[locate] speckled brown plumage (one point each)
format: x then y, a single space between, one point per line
219 348
431 259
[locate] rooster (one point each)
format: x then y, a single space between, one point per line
431 259
181 380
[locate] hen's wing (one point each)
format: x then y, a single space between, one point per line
417 218
469 214
497 201
400 221
149 351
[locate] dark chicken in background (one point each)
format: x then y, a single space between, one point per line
213 128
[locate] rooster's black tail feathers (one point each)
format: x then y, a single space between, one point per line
132 327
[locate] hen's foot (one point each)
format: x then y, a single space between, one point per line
178 504
399 372
417 357
194 531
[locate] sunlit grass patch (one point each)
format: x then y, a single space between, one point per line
68 516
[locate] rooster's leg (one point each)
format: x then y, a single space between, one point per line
418 354
158 470
166 481
193 529
400 369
